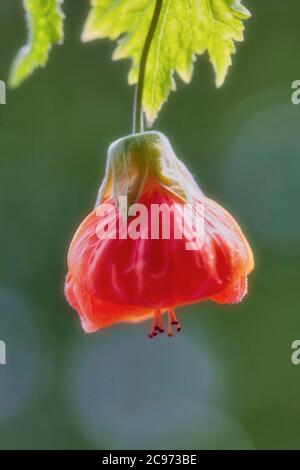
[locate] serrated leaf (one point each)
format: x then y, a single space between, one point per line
221 24
45 28
185 28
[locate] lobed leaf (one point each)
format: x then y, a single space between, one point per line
186 28
45 28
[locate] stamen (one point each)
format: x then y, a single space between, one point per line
155 324
170 329
173 316
173 321
161 324
158 326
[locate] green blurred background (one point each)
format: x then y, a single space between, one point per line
227 381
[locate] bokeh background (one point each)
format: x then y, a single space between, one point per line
227 381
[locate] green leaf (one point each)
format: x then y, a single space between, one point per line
185 28
45 25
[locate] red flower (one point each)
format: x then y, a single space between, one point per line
128 270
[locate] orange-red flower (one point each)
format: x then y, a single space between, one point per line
120 272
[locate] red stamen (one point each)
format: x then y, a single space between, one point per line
161 324
173 321
170 329
157 323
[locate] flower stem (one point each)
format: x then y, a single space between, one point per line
138 117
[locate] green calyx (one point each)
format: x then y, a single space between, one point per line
133 159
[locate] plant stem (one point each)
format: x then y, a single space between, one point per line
138 118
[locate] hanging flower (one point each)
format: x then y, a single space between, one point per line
153 242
